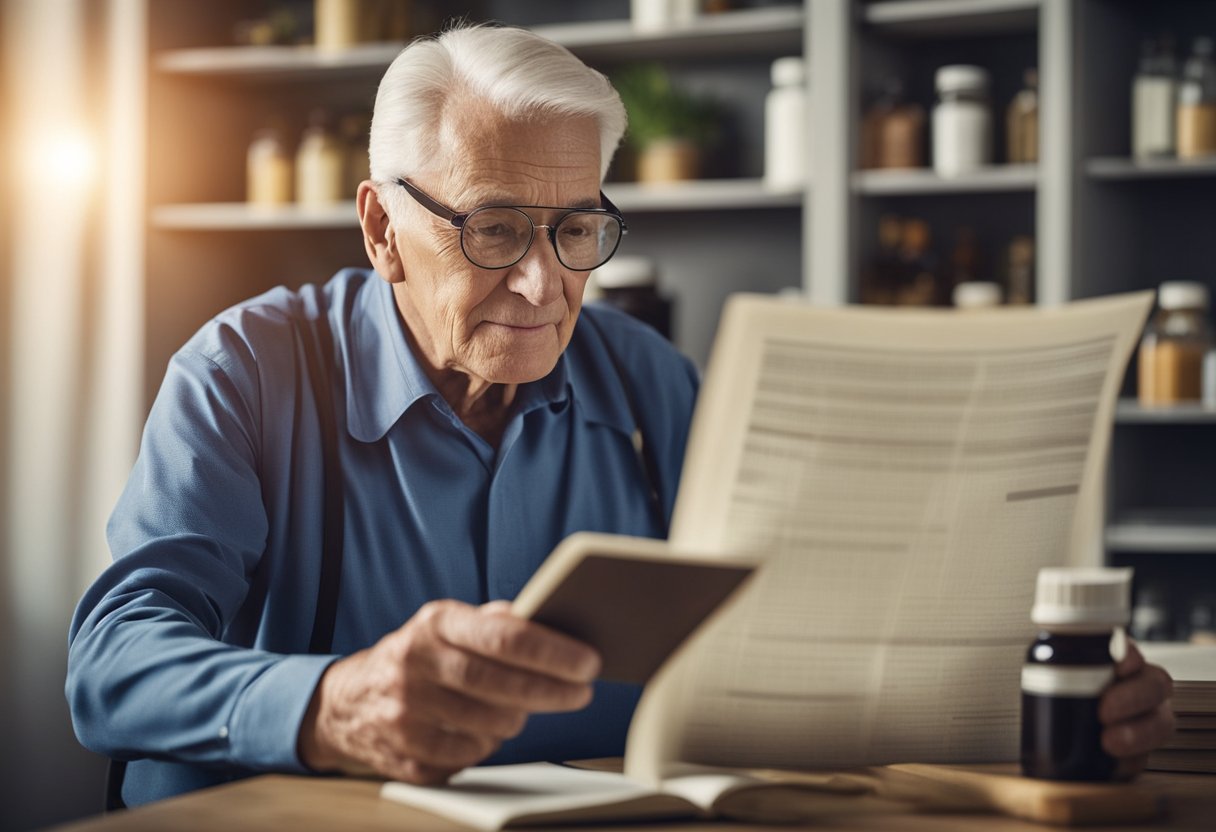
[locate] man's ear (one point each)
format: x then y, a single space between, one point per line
379 238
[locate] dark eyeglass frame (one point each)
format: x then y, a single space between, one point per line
458 220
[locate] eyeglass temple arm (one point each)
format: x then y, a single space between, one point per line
429 204
607 205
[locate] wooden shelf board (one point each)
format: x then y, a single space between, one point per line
1131 412
922 181
952 18
241 216
702 195
1175 531
769 31
1116 168
275 62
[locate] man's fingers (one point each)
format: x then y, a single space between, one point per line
1131 662
1134 695
1140 735
441 748
498 684
456 711
498 635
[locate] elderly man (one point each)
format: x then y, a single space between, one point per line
405 445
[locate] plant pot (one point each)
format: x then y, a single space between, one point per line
669 160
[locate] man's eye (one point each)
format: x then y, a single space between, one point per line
497 229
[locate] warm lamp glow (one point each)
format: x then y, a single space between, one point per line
64 158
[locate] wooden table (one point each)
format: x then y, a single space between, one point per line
304 804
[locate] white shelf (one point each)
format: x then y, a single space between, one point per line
1116 168
774 30
1131 412
1172 531
953 18
770 31
700 195
913 182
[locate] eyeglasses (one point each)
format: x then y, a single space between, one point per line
498 236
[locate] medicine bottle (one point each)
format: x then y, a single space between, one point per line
977 294
786 147
1197 102
337 24
268 169
1173 345
962 120
321 164
1022 122
1154 96
1081 614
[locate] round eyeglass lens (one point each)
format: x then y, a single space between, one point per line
496 237
585 240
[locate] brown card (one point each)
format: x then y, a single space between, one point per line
633 599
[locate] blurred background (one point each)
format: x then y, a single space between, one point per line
164 159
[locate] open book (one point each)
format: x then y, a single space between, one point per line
902 475
533 794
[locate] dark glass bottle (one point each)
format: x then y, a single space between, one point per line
1069 664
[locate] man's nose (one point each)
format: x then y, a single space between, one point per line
538 276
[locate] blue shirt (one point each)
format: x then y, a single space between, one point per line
228 480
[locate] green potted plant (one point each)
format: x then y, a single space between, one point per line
669 128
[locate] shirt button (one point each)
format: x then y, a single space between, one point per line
224 732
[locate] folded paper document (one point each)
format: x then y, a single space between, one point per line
901 476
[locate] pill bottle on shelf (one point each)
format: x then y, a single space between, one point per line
1081 615
786 148
962 120
268 169
1173 346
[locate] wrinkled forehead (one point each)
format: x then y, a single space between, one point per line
487 157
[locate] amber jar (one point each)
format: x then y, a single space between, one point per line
1173 346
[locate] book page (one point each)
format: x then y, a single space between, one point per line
904 475
495 797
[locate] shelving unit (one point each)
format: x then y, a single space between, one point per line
1137 224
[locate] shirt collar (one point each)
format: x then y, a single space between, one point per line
384 378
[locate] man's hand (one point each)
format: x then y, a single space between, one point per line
442 693
1135 711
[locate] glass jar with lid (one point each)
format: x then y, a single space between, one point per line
1174 343
962 120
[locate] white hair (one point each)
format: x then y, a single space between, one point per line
514 71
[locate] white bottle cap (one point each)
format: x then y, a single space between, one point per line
626 273
977 294
788 72
1182 294
959 77
1082 599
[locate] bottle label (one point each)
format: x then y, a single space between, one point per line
1044 680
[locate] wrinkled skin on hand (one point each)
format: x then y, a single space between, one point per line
442 693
